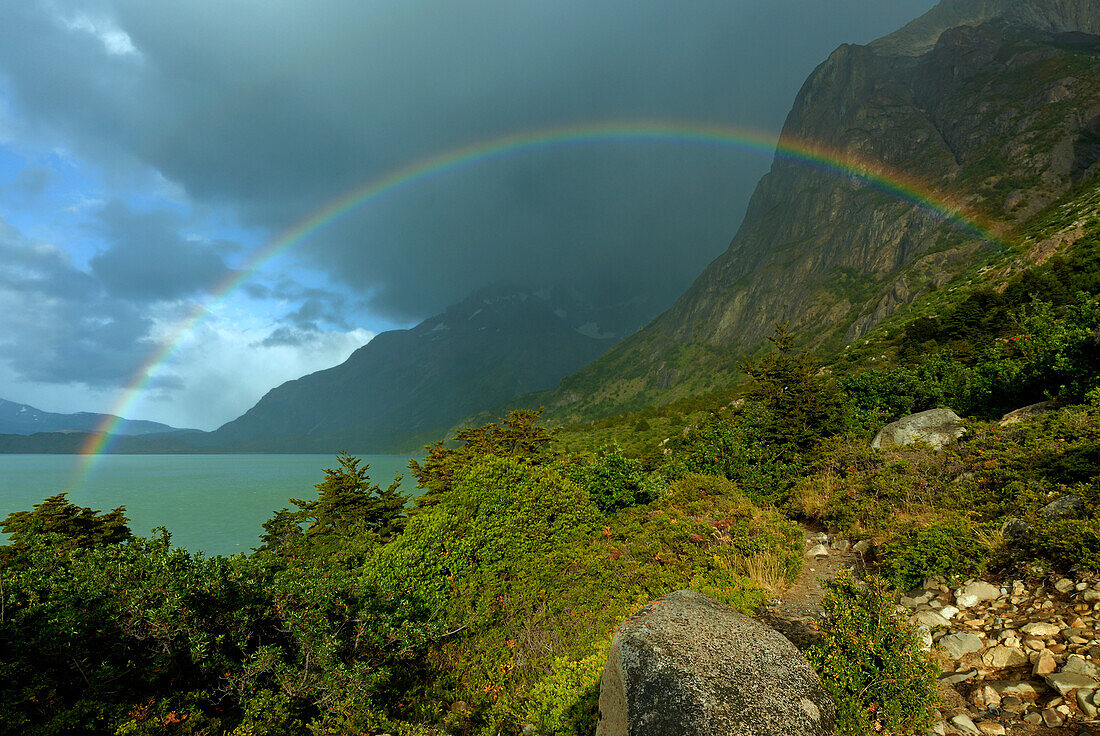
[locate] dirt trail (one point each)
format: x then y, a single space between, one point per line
794 612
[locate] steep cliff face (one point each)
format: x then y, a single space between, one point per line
1055 16
991 105
406 384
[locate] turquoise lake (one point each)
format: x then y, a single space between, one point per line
212 503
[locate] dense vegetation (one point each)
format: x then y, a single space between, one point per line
490 603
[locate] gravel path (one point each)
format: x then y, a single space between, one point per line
794 612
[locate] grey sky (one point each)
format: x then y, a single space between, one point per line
261 112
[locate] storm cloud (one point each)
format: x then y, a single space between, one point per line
269 110
61 326
148 258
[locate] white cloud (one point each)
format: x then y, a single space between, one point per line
115 41
220 369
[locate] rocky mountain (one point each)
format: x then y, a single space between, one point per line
23 419
408 386
986 106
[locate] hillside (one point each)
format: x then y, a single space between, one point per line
406 386
23 419
994 107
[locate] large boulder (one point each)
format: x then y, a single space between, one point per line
687 665
1066 507
935 427
1031 411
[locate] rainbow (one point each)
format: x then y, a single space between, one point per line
806 153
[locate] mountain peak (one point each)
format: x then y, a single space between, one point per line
1055 16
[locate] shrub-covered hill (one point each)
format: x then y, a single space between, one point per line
488 608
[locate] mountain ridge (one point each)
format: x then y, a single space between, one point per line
1056 16
999 114
406 386
24 419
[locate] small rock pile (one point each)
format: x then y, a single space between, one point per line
1018 656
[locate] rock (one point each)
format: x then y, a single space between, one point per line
924 638
915 600
529 729
999 658
1066 507
1081 666
1015 528
862 547
935 427
948 612
1063 682
1040 628
1052 718
1019 689
819 550
991 728
1086 702
1027 412
841 545
687 665
965 600
1063 586
958 645
964 724
972 594
959 677
1044 663
931 619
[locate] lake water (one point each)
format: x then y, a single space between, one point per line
212 503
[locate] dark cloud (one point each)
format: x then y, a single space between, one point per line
273 109
61 326
289 336
32 182
256 290
148 260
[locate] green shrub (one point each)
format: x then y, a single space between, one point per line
567 700
1061 542
612 480
870 662
734 448
935 549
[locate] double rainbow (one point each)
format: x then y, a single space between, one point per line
806 153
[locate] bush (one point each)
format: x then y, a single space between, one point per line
612 480
870 662
1063 543
935 549
734 448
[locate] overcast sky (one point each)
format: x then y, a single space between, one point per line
148 148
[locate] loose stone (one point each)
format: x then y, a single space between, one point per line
964 724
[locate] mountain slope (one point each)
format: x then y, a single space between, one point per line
408 385
995 105
23 419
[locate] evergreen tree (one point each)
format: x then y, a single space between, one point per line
347 502
70 526
802 402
